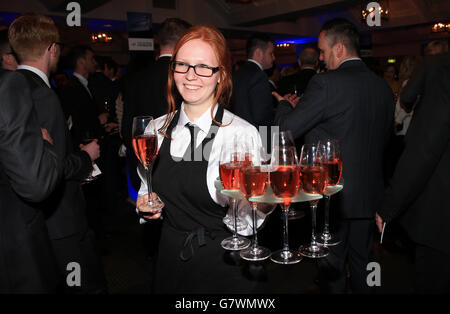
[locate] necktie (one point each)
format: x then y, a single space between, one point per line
193 129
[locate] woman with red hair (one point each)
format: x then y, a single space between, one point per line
190 258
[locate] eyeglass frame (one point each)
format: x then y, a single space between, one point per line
213 69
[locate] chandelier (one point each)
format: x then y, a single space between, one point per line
441 27
383 10
101 37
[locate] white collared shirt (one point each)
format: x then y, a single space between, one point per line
36 71
257 63
83 81
181 139
165 55
349 59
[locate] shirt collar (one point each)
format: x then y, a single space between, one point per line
204 122
82 79
349 59
257 63
36 71
165 55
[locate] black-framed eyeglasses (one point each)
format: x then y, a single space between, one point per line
61 45
199 69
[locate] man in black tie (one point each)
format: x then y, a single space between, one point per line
419 188
353 105
29 172
308 61
252 98
64 209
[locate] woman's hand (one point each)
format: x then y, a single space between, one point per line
149 212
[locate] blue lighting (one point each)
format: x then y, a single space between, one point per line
297 41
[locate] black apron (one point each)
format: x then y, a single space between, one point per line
190 258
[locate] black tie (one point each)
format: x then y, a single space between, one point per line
194 131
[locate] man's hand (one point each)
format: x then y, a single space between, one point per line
46 136
291 98
379 222
93 149
103 117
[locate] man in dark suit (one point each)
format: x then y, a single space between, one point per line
419 189
308 61
77 100
252 99
29 172
353 105
64 209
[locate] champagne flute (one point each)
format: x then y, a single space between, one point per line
285 182
313 176
334 171
253 180
145 144
229 166
86 138
285 139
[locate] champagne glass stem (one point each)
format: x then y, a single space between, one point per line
255 236
285 227
313 205
326 229
148 171
235 212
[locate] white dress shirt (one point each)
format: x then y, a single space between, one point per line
181 139
37 71
401 116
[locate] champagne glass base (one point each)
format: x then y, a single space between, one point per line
286 257
241 223
235 243
327 240
314 251
259 253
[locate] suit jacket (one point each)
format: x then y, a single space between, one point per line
297 81
252 98
29 171
355 106
145 94
104 92
65 208
419 189
78 103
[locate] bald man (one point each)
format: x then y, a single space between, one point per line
308 61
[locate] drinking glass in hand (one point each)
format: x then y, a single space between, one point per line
229 166
334 172
145 145
313 176
253 179
86 138
285 181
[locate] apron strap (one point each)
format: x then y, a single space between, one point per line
187 252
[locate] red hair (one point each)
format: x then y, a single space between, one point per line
216 40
